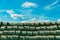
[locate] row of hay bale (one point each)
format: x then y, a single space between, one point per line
30 28
31 23
29 33
15 37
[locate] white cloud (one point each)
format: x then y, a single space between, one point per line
13 15
51 5
42 18
36 21
29 4
30 20
58 20
39 20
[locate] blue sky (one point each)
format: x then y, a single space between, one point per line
29 10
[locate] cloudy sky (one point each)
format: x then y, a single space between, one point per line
29 10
